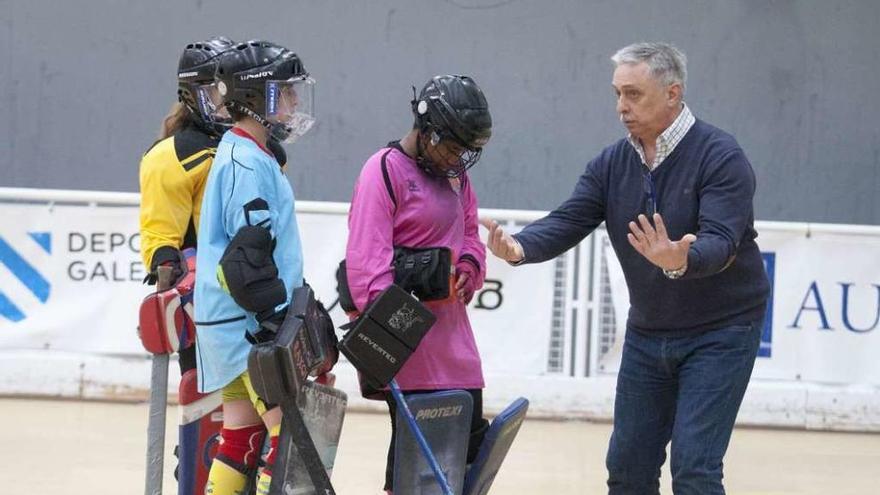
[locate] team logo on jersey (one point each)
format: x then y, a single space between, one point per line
22 285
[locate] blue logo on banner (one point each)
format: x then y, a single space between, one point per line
767 334
29 277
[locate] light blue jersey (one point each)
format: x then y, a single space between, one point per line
245 187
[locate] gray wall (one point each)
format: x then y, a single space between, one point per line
85 85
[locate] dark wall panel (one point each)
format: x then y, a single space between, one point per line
85 85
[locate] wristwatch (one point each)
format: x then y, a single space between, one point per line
677 273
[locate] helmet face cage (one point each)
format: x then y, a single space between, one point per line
210 106
454 155
196 87
206 106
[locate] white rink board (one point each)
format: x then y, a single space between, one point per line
70 286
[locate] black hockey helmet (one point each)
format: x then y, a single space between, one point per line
452 107
195 82
268 83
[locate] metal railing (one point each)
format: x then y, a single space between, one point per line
24 194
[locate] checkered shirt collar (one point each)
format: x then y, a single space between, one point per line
668 139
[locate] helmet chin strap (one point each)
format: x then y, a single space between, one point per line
423 161
277 131
423 128
210 128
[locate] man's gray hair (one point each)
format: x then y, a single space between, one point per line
667 63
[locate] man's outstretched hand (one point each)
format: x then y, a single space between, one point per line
653 243
500 243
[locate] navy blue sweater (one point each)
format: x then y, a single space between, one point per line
704 187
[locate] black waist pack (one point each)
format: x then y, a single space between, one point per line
423 272
386 334
304 345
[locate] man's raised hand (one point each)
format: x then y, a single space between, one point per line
500 243
653 243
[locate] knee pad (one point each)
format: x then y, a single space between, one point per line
240 447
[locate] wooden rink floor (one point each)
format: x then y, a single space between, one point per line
91 448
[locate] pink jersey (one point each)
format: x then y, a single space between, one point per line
430 212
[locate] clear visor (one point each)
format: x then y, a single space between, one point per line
290 104
211 105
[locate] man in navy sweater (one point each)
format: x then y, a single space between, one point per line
676 199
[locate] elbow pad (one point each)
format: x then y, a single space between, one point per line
247 271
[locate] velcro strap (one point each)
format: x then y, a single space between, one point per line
264 335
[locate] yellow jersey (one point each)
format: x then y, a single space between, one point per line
173 173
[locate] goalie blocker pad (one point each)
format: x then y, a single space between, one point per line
304 345
165 320
386 334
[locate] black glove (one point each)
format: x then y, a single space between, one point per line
270 321
166 256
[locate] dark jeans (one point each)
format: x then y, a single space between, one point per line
684 389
